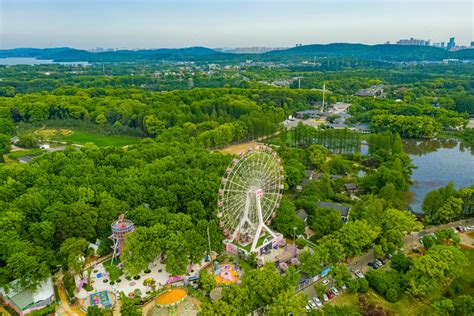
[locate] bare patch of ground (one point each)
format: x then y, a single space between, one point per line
238 148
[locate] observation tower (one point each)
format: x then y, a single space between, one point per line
120 228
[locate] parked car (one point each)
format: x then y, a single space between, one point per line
317 301
359 274
330 294
344 287
388 256
371 264
326 282
312 304
379 262
460 229
308 309
334 291
325 298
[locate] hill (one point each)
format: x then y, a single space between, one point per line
336 50
370 52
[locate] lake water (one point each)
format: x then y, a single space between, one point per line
11 61
438 162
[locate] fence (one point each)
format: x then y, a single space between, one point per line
300 287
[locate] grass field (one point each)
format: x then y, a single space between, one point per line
82 137
28 152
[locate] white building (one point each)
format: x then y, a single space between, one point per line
27 301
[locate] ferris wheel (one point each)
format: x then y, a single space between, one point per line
250 191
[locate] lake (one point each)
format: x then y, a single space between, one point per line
438 162
12 61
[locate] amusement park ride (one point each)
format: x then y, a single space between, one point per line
250 192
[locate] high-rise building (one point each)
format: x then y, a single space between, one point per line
451 43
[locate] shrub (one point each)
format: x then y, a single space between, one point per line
363 285
353 286
391 295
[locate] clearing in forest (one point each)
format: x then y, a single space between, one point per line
238 148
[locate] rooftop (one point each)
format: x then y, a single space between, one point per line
343 209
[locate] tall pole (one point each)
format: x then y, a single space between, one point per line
324 90
209 241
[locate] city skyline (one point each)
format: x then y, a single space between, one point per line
128 24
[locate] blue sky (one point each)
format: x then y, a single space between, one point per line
229 23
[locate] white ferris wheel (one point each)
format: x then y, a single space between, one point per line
251 190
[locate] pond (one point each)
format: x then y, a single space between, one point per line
438 162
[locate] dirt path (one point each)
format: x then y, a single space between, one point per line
65 308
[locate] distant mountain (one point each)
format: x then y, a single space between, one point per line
370 52
71 54
337 50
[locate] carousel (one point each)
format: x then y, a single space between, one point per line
174 301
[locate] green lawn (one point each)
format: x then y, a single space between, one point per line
28 152
259 243
82 137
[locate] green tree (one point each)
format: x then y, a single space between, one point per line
294 173
325 221
101 119
317 154
5 144
391 295
430 271
97 311
320 289
443 307
153 125
400 262
310 262
341 274
206 281
128 306
286 221
28 140
288 303
75 251
7 127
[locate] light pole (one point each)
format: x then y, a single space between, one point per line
294 235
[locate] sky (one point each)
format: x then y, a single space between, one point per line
130 24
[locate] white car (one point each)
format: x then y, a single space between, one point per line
317 301
326 282
344 287
335 291
359 274
312 304
325 297
308 309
